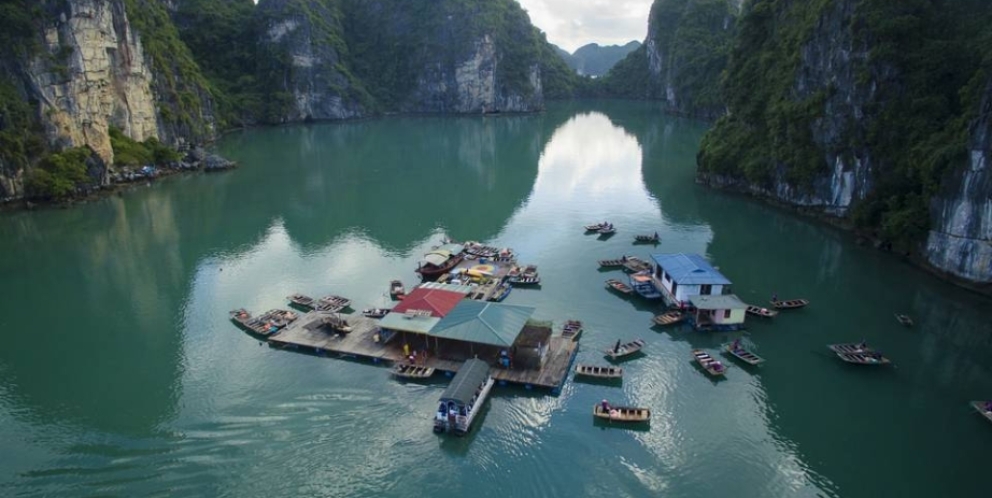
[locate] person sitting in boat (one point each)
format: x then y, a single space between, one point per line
774 297
656 237
616 347
736 345
877 356
605 406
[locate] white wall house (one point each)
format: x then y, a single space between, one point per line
680 276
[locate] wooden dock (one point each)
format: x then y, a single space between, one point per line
309 335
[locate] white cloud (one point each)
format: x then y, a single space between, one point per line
573 23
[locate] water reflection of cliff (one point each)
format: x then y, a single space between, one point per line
91 334
397 179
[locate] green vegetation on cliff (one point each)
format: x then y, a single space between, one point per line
178 80
57 175
916 88
128 152
682 61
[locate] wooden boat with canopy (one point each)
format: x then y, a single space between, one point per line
438 262
627 349
762 312
983 407
790 304
463 399
621 413
742 351
709 363
669 318
408 371
619 286
599 372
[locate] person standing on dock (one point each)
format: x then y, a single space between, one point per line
406 349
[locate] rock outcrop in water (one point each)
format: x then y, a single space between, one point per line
870 112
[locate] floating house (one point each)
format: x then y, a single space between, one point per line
680 276
724 312
463 399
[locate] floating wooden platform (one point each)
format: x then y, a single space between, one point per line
309 335
599 372
669 318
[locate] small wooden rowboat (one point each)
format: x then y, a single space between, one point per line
594 227
851 348
743 354
302 301
669 318
983 407
524 280
647 239
333 304
874 358
790 303
599 372
375 312
634 264
611 263
709 363
607 230
619 286
622 413
572 330
625 349
764 312
412 371
905 320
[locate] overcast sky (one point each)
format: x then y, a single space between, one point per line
571 24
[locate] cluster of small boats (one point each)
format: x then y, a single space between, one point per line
604 410
523 276
332 303
265 324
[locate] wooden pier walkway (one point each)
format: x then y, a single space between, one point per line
308 334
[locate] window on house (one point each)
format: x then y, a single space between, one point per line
726 313
705 289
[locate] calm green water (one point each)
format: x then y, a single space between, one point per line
121 375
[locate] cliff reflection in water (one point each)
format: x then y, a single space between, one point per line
396 180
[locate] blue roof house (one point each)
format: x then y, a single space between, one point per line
680 276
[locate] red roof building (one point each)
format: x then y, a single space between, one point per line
438 302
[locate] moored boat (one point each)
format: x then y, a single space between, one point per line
611 263
438 262
619 286
762 312
260 325
647 239
634 264
332 303
408 371
904 319
396 289
669 318
620 350
872 358
595 227
790 303
302 301
983 407
375 312
463 399
522 280
851 348
607 230
572 330
709 363
741 352
599 372
501 292
621 413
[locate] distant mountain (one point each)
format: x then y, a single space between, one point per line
596 60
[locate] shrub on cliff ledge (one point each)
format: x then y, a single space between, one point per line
57 175
128 152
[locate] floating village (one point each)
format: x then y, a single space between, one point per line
454 324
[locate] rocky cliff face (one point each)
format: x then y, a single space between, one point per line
473 85
91 75
960 240
302 42
854 109
687 46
